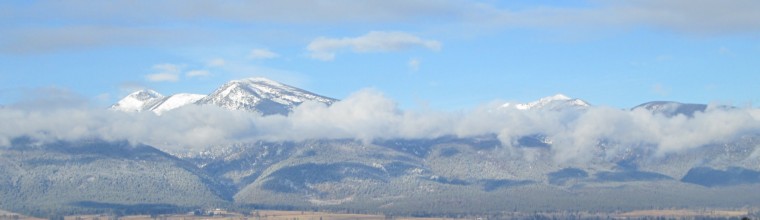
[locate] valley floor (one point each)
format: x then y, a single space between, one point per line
305 215
263 215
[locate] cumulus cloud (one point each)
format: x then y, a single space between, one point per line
368 115
324 48
165 72
258 54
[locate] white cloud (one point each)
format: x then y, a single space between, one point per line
367 115
660 90
257 54
414 64
197 73
324 48
685 16
166 72
282 11
217 62
724 51
30 40
162 77
167 67
122 27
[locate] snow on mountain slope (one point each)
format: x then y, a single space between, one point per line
261 95
555 102
175 101
671 108
138 101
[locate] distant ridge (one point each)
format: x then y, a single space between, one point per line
670 109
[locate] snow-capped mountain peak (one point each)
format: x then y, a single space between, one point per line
555 102
260 80
261 95
558 96
138 101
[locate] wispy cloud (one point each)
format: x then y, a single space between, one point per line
47 26
283 11
93 24
197 73
324 48
164 73
684 16
216 62
258 54
41 39
660 90
162 77
414 64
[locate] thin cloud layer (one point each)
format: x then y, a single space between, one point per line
258 54
165 72
375 41
93 24
197 73
283 11
368 115
685 16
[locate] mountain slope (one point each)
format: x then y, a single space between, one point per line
671 108
446 175
460 175
261 95
97 176
175 101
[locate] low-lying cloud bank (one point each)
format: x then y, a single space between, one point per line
368 115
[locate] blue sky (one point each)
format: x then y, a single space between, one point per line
423 54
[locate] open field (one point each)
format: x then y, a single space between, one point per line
6 215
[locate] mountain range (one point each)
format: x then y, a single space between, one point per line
258 95
446 175
269 97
